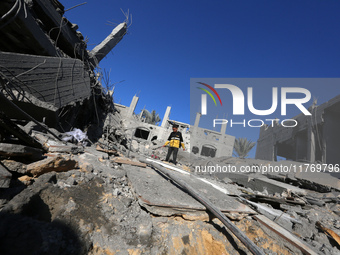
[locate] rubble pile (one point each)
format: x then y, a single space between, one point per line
68 198
74 179
306 203
84 200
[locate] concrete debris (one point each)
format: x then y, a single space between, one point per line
330 232
209 206
52 145
169 200
91 194
128 162
280 217
286 235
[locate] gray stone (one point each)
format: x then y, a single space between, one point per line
116 192
17 150
14 166
70 181
5 177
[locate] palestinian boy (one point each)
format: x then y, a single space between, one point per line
175 140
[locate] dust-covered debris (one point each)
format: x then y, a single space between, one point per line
70 177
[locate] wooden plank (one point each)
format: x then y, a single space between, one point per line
285 234
128 162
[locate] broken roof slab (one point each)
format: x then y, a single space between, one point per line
160 196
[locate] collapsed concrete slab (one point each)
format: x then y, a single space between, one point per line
163 198
322 182
54 80
274 176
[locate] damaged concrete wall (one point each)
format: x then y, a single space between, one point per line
314 139
199 141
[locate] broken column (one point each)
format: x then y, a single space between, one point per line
223 128
132 106
197 120
166 117
101 50
310 142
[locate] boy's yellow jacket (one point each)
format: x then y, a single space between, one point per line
175 140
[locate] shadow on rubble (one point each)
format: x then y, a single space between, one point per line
227 234
23 235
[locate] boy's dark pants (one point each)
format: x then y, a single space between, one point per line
173 150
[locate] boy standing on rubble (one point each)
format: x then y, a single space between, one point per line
175 140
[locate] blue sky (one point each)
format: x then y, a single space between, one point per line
170 42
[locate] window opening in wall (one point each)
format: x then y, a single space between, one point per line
142 133
195 149
208 151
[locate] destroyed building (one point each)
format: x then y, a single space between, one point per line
315 138
71 183
45 66
198 141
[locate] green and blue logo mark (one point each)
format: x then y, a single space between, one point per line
204 97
